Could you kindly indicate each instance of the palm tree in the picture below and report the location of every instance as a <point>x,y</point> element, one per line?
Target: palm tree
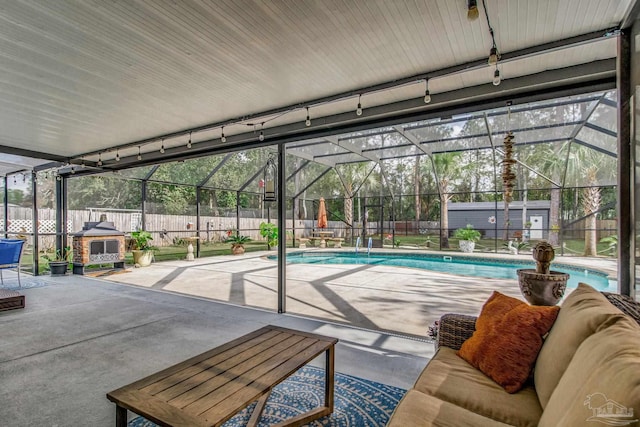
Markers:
<point>591,201</point>
<point>587,165</point>
<point>447,167</point>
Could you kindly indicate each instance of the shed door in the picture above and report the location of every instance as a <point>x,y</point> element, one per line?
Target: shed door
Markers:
<point>536,227</point>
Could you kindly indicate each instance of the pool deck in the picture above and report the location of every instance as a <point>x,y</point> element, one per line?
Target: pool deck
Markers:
<point>393,299</point>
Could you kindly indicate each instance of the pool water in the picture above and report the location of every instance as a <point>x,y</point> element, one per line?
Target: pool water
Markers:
<point>454,264</point>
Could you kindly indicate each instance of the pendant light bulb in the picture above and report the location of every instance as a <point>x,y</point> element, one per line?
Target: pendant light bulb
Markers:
<point>261,137</point>
<point>117,156</point>
<point>223,138</point>
<point>359,109</point>
<point>189,143</point>
<point>427,94</point>
<point>139,154</point>
<point>493,56</point>
<point>99,159</point>
<point>308,121</point>
<point>162,147</point>
<point>496,77</point>
<point>472,10</point>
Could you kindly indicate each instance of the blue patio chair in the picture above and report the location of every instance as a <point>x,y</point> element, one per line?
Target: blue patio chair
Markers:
<point>10,256</point>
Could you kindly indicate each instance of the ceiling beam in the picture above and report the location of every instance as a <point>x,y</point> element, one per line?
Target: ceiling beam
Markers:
<point>32,154</point>
<point>633,12</point>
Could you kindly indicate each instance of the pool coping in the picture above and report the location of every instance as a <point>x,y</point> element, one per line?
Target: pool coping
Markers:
<point>603,266</point>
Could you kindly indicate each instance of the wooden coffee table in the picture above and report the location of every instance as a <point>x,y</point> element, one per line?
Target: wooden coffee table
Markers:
<point>209,389</point>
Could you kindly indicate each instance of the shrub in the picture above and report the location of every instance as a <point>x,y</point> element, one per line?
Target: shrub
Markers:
<point>270,232</point>
<point>467,233</point>
<point>141,240</point>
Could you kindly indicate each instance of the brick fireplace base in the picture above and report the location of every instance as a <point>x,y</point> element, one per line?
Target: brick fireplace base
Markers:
<point>80,268</point>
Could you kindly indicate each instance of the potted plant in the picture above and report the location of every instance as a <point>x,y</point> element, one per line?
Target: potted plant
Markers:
<point>467,237</point>
<point>59,262</point>
<point>270,232</point>
<point>142,250</point>
<point>237,243</point>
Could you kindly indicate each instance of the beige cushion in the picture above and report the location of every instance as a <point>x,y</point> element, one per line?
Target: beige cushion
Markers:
<point>584,312</point>
<point>605,371</point>
<point>450,378</point>
<point>420,410</point>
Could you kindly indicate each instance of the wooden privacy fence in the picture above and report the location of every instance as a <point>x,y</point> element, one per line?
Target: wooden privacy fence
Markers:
<point>604,228</point>
<point>168,229</point>
<point>165,229</point>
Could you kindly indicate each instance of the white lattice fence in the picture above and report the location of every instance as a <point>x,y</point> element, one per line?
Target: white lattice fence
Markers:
<point>213,228</point>
<point>45,226</point>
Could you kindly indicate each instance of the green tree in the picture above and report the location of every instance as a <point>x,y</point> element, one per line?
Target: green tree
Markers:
<point>447,167</point>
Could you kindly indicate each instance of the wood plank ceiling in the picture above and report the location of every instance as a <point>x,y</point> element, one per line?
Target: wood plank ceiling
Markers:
<point>80,76</point>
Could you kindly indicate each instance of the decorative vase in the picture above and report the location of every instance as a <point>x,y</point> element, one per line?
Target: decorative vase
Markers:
<point>237,249</point>
<point>58,268</point>
<point>467,245</point>
<point>142,258</point>
<point>542,286</point>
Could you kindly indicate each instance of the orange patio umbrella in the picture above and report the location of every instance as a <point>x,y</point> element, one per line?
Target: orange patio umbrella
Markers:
<point>322,214</point>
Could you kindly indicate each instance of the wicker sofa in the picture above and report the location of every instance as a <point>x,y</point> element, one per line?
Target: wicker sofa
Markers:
<point>591,353</point>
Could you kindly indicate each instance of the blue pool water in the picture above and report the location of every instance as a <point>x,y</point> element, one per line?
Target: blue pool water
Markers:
<point>454,264</point>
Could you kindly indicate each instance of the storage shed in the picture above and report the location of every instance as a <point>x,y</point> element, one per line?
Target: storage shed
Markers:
<point>480,214</point>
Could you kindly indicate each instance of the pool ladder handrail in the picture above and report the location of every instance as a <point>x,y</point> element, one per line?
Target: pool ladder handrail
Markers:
<point>369,245</point>
<point>357,244</point>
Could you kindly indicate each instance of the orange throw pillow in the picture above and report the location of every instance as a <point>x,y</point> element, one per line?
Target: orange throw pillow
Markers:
<point>507,339</point>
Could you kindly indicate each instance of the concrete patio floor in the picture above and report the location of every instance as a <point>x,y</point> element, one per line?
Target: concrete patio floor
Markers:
<point>79,338</point>
<point>393,299</point>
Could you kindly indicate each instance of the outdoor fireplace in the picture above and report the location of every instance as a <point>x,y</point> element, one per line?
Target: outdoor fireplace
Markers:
<point>98,243</point>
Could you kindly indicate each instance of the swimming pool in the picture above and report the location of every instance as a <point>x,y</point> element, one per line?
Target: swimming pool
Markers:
<point>455,264</point>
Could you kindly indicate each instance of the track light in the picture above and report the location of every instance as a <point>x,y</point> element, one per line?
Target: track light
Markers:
<point>189,143</point>
<point>261,137</point>
<point>117,156</point>
<point>496,77</point>
<point>308,121</point>
<point>162,147</point>
<point>359,109</point>
<point>427,94</point>
<point>472,10</point>
<point>139,154</point>
<point>99,159</point>
<point>223,138</point>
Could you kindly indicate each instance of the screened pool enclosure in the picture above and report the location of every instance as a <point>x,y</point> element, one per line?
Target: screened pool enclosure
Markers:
<point>408,186</point>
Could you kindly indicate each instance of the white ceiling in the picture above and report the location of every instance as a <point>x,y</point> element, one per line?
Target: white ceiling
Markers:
<point>86,75</point>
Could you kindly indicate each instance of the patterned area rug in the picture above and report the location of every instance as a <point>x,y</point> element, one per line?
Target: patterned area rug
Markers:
<point>358,402</point>
<point>28,282</point>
